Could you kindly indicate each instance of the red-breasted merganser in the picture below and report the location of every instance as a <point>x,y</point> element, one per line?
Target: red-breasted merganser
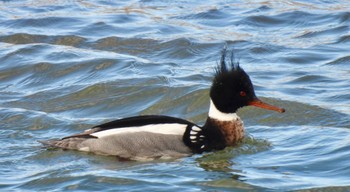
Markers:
<point>154,136</point>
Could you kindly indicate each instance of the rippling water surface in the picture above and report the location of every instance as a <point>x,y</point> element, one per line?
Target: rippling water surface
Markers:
<point>68,65</point>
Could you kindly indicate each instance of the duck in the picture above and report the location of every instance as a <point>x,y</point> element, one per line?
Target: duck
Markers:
<point>150,137</point>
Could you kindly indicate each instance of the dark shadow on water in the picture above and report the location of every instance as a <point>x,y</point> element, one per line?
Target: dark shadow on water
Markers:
<point>223,160</point>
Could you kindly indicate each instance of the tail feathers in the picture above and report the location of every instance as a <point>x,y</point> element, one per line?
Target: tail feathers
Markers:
<point>70,143</point>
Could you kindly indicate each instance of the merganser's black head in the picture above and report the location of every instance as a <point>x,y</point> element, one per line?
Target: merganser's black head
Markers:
<point>232,88</point>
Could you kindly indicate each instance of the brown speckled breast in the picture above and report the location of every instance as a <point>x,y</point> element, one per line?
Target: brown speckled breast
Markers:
<point>233,131</point>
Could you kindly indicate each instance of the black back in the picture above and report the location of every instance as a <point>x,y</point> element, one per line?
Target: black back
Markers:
<point>141,121</point>
<point>136,121</point>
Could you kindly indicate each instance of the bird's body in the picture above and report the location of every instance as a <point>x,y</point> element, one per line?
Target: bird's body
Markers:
<point>154,136</point>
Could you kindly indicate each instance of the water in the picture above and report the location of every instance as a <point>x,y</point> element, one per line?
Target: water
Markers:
<point>68,65</point>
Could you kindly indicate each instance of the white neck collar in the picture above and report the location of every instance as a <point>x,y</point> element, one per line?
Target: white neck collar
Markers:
<point>214,113</point>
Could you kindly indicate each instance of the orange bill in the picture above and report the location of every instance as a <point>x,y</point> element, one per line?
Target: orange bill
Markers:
<point>258,103</point>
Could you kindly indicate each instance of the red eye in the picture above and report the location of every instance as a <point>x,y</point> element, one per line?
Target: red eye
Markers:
<point>242,93</point>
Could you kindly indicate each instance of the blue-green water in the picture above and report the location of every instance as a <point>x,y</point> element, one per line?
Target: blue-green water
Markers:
<point>68,65</point>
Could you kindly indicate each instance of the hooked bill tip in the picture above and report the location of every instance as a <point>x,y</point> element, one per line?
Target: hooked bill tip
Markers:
<point>282,110</point>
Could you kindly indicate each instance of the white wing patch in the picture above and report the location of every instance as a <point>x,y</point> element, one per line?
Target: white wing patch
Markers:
<point>86,149</point>
<point>194,133</point>
<point>167,128</point>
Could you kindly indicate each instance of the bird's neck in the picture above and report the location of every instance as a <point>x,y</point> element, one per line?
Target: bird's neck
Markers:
<point>214,113</point>
<point>229,124</point>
